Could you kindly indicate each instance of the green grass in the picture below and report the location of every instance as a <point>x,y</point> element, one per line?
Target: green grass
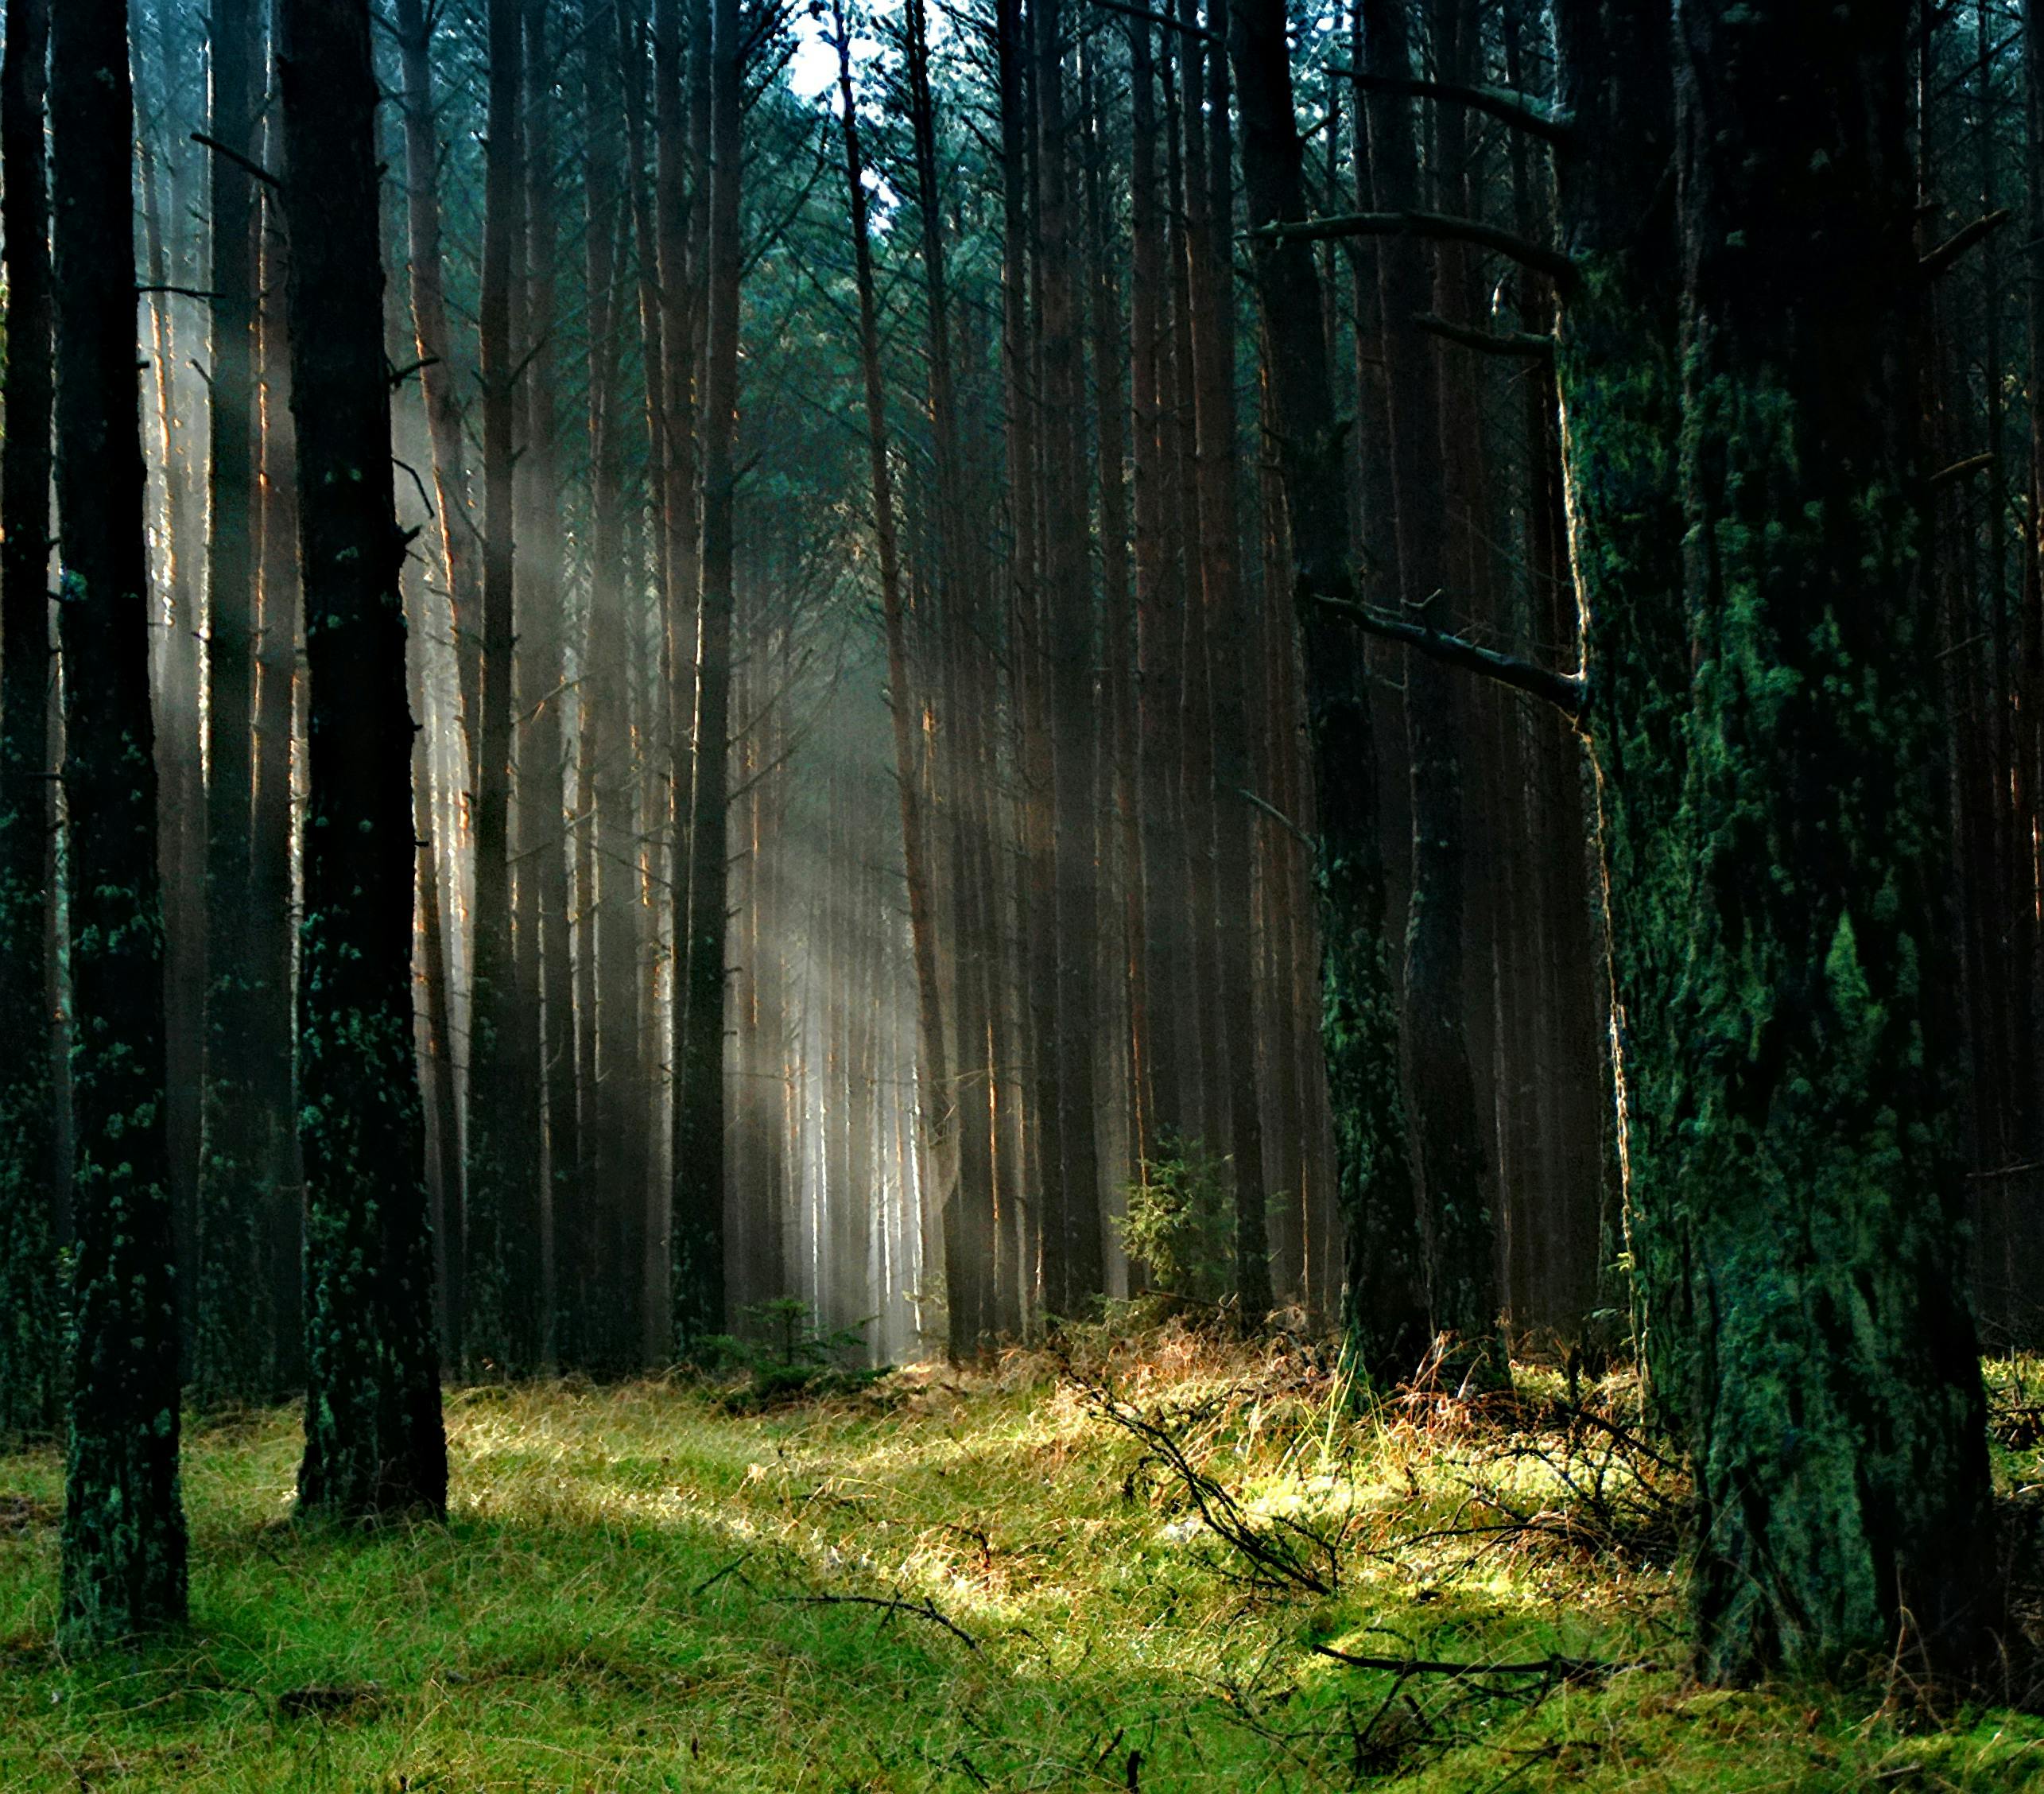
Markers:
<point>639,1590</point>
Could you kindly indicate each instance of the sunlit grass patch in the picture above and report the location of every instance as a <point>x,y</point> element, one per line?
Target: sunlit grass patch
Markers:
<point>956,1582</point>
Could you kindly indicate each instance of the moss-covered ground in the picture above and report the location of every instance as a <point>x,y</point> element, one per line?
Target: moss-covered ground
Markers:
<point>949,1581</point>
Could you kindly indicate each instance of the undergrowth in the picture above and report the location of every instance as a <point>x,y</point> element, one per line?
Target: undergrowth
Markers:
<point>1162,1565</point>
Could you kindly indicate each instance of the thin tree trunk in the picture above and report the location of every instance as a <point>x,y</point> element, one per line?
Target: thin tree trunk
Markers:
<point>698,1218</point>
<point>1385,1323</point>
<point>267,941</point>
<point>505,1313</point>
<point>940,1109</point>
<point>438,378</point>
<point>1454,1205</point>
<point>179,760</point>
<point>542,758</point>
<point>1073,1253</point>
<point>232,1344</point>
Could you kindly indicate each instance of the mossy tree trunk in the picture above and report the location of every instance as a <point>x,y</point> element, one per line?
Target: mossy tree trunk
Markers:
<point>1617,373</point>
<point>1385,1317</point>
<point>30,1384</point>
<point>373,1442</point>
<point>1833,1395</point>
<point>123,1539</point>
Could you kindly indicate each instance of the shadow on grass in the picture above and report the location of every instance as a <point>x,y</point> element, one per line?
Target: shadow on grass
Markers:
<point>637,1590</point>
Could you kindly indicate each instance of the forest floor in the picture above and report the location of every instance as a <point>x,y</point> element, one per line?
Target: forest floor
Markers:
<point>1021,1580</point>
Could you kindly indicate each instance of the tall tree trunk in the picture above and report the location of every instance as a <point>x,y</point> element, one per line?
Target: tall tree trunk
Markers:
<point>1616,362</point>
<point>1385,1317</point>
<point>965,1186</point>
<point>1150,1045</point>
<point>595,1253</point>
<point>373,1442</point>
<point>267,942</point>
<point>542,757</point>
<point>1073,1264</point>
<point>1234,630</point>
<point>1116,798</point>
<point>698,1218</point>
<point>939,1108</point>
<point>231,1346</point>
<point>1157,605</point>
<point>30,1346</point>
<point>180,761</point>
<point>123,1546</point>
<point>1454,1205</point>
<point>438,378</point>
<point>505,1318</point>
<point>1836,1415</point>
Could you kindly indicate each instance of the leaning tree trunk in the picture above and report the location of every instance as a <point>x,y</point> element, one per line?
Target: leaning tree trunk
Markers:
<point>30,1386</point>
<point>374,1442</point>
<point>123,1539</point>
<point>1834,1402</point>
<point>1385,1314</point>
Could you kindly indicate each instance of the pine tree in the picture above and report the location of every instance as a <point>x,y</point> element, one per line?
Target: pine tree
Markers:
<point>123,1566</point>
<point>373,1440</point>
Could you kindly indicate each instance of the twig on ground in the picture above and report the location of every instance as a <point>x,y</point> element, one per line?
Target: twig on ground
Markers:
<point>925,1609</point>
<point>1558,1668</point>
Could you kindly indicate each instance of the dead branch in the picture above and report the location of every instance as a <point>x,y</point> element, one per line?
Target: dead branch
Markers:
<point>1556,1669</point>
<point>1439,226</point>
<point>1955,245</point>
<point>925,1609</point>
<point>1517,109</point>
<point>1525,345</point>
<point>1563,690</point>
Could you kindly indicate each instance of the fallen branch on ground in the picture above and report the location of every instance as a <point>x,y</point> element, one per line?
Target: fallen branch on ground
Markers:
<point>925,1609</point>
<point>1560,1668</point>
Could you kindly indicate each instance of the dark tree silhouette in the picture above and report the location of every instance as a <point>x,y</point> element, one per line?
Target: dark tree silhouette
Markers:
<point>124,1542</point>
<point>30,1384</point>
<point>374,1442</point>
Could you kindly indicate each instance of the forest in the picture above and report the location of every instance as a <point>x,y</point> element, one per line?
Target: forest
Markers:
<point>1022,894</point>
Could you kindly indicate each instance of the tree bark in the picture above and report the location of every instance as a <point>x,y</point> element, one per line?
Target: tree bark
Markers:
<point>374,1442</point>
<point>268,937</point>
<point>939,1108</point>
<point>1456,1235</point>
<point>31,1382</point>
<point>1385,1316</point>
<point>696,1242</point>
<point>1836,1414</point>
<point>505,1311</point>
<point>123,1541</point>
<point>232,1346</point>
<point>1073,1263</point>
<point>434,339</point>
